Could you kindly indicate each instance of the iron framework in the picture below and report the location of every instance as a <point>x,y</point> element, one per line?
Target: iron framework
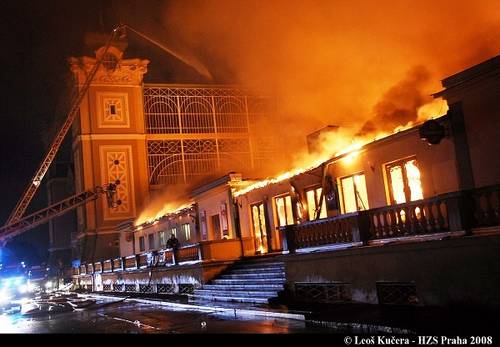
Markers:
<point>202,130</point>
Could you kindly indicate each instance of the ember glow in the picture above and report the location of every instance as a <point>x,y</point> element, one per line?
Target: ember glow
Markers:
<point>171,201</point>
<point>333,62</point>
<point>343,145</point>
<point>414,182</point>
<point>151,215</point>
<point>369,67</point>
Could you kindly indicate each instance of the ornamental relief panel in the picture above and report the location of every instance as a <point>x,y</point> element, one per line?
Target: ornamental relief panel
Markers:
<point>112,110</point>
<point>126,72</point>
<point>116,164</point>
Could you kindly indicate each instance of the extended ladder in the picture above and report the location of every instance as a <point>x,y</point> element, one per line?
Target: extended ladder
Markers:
<point>58,209</point>
<point>35,182</point>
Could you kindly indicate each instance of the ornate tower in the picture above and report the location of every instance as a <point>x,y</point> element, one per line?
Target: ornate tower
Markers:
<point>109,145</point>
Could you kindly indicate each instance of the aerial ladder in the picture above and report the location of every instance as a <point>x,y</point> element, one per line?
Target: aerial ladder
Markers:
<point>58,209</point>
<point>35,182</point>
<point>16,223</point>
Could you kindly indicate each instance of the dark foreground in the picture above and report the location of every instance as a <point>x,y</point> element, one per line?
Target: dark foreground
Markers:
<point>113,315</point>
<point>135,318</point>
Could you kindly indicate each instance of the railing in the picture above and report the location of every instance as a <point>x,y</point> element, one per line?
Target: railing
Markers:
<point>117,264</point>
<point>486,203</point>
<point>164,257</point>
<point>441,213</point>
<point>143,260</point>
<point>189,253</point>
<point>130,262</point>
<point>107,266</point>
<point>457,211</point>
<point>340,229</point>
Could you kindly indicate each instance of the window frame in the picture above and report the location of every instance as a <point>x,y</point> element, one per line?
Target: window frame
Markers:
<point>276,211</point>
<point>314,188</point>
<point>406,187</point>
<point>142,244</point>
<point>186,231</point>
<point>342,195</point>
<point>151,241</point>
<point>263,237</point>
<point>161,238</point>
<point>172,230</point>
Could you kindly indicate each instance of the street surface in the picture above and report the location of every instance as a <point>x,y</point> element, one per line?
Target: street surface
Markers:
<point>133,317</point>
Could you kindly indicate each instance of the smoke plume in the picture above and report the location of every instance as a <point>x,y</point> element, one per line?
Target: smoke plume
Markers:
<point>400,104</point>
<point>366,66</point>
<point>334,61</point>
<point>172,198</point>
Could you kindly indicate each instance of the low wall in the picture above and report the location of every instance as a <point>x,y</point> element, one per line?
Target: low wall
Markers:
<point>248,246</point>
<point>221,249</point>
<point>175,277</point>
<point>463,271</point>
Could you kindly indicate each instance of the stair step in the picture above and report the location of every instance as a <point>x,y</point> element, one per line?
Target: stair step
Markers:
<point>256,281</point>
<point>277,270</point>
<point>237,293</point>
<point>244,287</point>
<point>245,265</point>
<point>253,281</point>
<point>276,275</point>
<point>194,298</point>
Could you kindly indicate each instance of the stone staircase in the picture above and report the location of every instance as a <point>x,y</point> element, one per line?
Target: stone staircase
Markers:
<point>246,281</point>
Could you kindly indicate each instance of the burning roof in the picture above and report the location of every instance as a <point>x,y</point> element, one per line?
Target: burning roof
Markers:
<point>357,144</point>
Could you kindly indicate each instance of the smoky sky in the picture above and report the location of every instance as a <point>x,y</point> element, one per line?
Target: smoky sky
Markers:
<point>334,61</point>
<point>328,62</point>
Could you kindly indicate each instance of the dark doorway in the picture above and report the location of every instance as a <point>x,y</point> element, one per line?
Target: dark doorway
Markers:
<point>216,226</point>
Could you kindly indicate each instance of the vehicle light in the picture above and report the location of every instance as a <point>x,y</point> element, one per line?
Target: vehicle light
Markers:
<point>4,296</point>
<point>23,288</point>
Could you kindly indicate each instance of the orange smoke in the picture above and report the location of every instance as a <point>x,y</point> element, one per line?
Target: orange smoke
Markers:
<point>341,144</point>
<point>173,199</point>
<point>335,61</point>
<point>366,66</point>
<point>400,104</point>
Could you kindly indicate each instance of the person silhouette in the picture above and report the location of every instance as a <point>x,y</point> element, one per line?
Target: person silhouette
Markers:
<point>173,243</point>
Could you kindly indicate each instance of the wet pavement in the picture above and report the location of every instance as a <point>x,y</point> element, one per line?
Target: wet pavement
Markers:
<point>136,318</point>
<point>114,315</point>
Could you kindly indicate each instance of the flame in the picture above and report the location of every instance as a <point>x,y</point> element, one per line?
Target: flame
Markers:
<point>350,147</point>
<point>149,215</point>
<point>349,158</point>
<point>432,110</point>
<point>414,182</point>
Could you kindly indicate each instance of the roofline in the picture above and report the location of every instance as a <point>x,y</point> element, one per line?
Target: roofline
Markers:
<point>364,147</point>
<point>471,73</point>
<point>212,184</point>
<point>194,85</point>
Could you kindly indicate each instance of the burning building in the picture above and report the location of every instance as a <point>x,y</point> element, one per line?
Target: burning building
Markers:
<point>406,218</point>
<point>151,137</point>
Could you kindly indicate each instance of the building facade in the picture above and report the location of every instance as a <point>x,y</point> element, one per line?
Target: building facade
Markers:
<point>412,218</point>
<point>152,137</point>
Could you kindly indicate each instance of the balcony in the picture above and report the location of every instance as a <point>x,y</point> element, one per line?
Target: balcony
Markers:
<point>205,251</point>
<point>450,213</point>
